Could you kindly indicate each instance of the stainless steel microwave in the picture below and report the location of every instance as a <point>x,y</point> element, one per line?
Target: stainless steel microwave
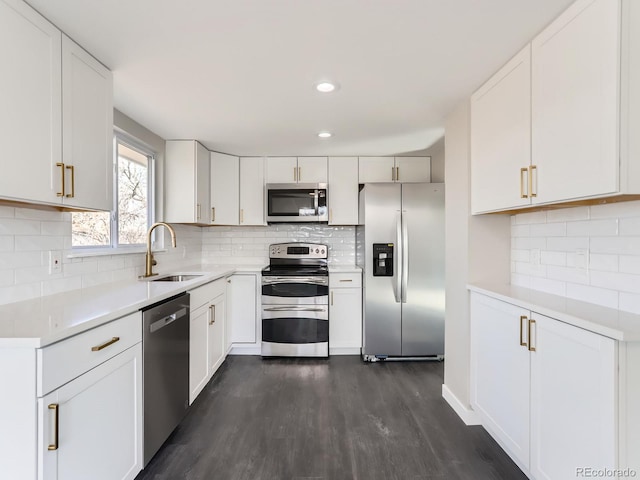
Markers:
<point>296,202</point>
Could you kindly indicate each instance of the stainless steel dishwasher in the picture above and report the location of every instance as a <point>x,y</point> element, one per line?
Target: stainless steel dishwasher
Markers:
<point>165,351</point>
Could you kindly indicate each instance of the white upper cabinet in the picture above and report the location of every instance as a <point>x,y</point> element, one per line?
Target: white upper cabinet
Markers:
<point>343,190</point>
<point>413,169</point>
<point>575,88</point>
<point>296,170</point>
<point>376,169</point>
<point>56,121</point>
<point>312,169</point>
<point>187,176</point>
<point>87,121</point>
<point>31,99</point>
<point>252,191</point>
<point>398,169</point>
<point>282,170</point>
<point>225,189</point>
<point>501,137</point>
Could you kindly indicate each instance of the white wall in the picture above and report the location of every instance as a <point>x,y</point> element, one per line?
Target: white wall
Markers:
<point>249,245</point>
<point>586,253</point>
<point>477,249</point>
<point>437,154</point>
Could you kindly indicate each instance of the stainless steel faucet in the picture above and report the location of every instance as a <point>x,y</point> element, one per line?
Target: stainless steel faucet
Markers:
<point>149,260</point>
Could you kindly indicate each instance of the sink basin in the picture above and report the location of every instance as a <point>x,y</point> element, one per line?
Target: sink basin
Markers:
<point>180,277</point>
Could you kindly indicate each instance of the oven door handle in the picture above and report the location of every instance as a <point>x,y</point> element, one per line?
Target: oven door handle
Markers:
<point>293,309</point>
<point>306,281</point>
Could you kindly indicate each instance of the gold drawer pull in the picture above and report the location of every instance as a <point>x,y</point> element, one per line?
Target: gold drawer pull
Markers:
<point>61,165</point>
<point>522,183</point>
<point>533,168</point>
<point>212,308</point>
<point>73,181</point>
<point>54,407</point>
<point>522,342</point>
<point>531,347</point>
<point>97,348</point>
<point>347,280</point>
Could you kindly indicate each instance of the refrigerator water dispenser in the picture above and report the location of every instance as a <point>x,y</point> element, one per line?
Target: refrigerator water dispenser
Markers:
<point>383,259</point>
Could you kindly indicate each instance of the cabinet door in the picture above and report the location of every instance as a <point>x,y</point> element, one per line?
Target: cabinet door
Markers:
<point>312,169</point>
<point>87,125</point>
<point>31,99</point>
<point>500,373</point>
<point>198,354</point>
<point>343,190</point>
<point>252,191</point>
<point>573,400</point>
<point>501,137</point>
<point>282,170</point>
<point>345,319</point>
<point>216,333</point>
<point>225,189</point>
<point>203,177</point>
<point>242,308</point>
<point>99,427</point>
<point>376,169</point>
<point>575,103</point>
<point>413,169</point>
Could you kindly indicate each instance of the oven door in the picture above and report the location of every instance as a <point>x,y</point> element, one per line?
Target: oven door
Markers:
<point>296,203</point>
<point>295,331</point>
<point>295,290</point>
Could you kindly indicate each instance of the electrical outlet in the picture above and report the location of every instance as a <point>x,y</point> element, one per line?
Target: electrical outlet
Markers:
<point>55,262</point>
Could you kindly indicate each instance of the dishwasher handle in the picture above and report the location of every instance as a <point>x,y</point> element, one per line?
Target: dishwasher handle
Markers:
<point>168,320</point>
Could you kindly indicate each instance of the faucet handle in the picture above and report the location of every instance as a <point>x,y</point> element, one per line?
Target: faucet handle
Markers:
<point>154,261</point>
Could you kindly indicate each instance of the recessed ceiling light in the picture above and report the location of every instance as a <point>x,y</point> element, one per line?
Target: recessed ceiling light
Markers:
<point>324,134</point>
<point>326,87</point>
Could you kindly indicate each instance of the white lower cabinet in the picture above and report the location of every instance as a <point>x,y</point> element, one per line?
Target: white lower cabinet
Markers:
<point>345,313</point>
<point>207,337</point>
<point>547,391</point>
<point>242,294</point>
<point>91,427</point>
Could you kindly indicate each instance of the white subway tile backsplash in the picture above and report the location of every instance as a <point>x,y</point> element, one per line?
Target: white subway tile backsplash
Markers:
<point>568,214</point>
<point>595,259</point>
<point>593,228</point>
<point>7,212</point>
<point>56,228</point>
<point>6,243</point>
<point>11,226</point>
<point>599,296</point>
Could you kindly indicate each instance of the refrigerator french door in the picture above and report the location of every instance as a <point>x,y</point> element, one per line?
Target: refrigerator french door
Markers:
<point>400,245</point>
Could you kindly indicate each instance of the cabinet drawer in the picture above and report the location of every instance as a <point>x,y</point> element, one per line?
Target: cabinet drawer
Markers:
<point>207,292</point>
<point>61,362</point>
<point>345,280</point>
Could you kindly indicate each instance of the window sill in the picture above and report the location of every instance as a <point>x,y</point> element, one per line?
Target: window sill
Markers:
<point>107,252</point>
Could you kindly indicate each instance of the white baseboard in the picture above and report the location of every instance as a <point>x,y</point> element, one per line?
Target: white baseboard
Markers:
<point>245,350</point>
<point>468,416</point>
<point>344,350</point>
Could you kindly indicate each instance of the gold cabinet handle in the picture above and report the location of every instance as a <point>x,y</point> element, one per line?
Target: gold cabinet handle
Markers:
<point>397,174</point>
<point>97,348</point>
<point>61,165</point>
<point>331,297</point>
<point>347,280</point>
<point>241,215</point>
<point>531,347</point>
<point>330,215</point>
<point>295,174</point>
<point>212,308</point>
<point>532,168</point>
<point>73,181</point>
<point>522,342</point>
<point>198,211</point>
<point>299,174</point>
<point>393,174</point>
<point>56,423</point>
<point>213,214</point>
<point>522,182</point>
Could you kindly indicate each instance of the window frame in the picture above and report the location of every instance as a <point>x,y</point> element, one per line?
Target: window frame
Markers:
<point>114,247</point>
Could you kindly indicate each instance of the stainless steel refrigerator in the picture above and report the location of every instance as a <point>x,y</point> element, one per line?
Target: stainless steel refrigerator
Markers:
<point>400,246</point>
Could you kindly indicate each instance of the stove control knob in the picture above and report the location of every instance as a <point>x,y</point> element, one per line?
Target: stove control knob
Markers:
<point>317,250</point>
<point>322,251</point>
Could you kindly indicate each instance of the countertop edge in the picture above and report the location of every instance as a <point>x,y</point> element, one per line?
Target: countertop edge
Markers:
<point>625,328</point>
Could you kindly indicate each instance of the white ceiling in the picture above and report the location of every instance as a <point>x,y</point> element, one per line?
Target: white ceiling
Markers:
<point>238,75</point>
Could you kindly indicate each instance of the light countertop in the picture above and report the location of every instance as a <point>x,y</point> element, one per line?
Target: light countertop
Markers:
<point>41,321</point>
<point>344,269</point>
<point>616,324</point>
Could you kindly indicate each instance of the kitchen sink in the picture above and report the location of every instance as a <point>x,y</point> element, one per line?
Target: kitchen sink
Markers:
<point>179,277</point>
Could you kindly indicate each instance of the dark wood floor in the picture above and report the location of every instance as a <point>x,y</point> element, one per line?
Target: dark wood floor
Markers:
<point>335,419</point>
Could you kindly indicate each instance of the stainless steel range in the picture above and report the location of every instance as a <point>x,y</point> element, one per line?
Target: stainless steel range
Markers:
<point>295,301</point>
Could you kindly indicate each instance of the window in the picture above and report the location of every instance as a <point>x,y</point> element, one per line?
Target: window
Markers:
<point>132,215</point>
